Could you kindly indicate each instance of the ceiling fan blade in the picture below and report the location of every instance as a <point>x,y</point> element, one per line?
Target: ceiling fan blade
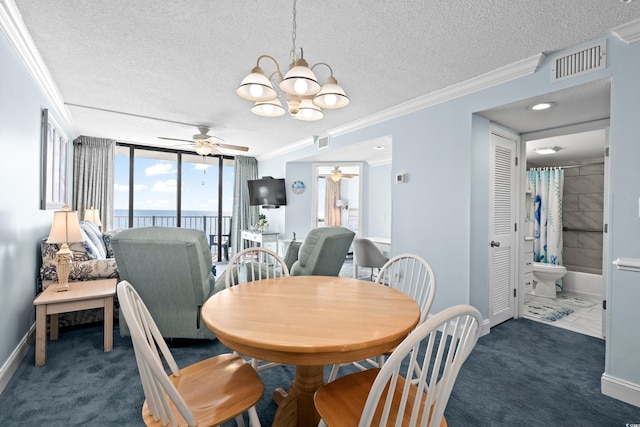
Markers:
<point>176,139</point>
<point>230,146</point>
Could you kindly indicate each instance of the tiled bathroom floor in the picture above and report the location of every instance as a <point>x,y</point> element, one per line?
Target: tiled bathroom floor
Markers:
<point>584,320</point>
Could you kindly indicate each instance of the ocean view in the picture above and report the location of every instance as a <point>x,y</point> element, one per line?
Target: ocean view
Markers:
<point>199,220</point>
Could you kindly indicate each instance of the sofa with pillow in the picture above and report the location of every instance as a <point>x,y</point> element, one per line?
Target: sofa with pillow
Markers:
<point>92,259</point>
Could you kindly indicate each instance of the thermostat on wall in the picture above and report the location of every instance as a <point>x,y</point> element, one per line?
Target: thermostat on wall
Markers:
<point>401,178</point>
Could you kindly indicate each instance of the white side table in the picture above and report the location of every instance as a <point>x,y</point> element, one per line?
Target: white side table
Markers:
<point>81,296</point>
<point>262,238</point>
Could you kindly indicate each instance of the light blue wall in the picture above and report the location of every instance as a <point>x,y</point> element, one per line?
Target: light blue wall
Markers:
<point>22,223</point>
<point>623,334</point>
<point>378,210</point>
<point>299,212</point>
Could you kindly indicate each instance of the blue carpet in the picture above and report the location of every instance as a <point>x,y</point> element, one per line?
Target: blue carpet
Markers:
<point>523,373</point>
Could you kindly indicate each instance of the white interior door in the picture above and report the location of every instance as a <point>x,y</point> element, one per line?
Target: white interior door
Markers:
<point>502,232</point>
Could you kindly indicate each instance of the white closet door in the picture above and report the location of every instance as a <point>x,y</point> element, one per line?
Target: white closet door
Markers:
<point>502,219</point>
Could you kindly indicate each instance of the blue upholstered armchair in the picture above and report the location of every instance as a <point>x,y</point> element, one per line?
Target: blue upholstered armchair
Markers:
<point>322,253</point>
<point>171,270</point>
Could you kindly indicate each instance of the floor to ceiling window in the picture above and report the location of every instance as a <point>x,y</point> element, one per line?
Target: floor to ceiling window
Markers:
<point>166,188</point>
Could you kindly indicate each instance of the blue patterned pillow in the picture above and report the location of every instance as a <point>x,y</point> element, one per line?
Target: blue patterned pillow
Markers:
<point>92,249</point>
<point>93,239</point>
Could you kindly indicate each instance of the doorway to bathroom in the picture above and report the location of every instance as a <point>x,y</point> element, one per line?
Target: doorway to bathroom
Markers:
<point>581,156</point>
<point>574,111</point>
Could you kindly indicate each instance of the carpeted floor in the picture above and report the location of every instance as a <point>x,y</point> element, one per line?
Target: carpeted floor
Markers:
<point>524,373</point>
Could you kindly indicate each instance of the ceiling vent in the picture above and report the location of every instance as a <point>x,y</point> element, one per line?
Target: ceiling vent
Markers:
<point>579,62</point>
<point>323,141</point>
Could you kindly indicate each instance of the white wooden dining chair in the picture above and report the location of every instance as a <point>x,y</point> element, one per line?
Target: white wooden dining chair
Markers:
<point>437,349</point>
<point>255,263</point>
<point>206,393</point>
<point>413,276</point>
<point>252,264</point>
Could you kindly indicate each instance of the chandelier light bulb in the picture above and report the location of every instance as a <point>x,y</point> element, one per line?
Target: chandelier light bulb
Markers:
<point>268,109</point>
<point>256,90</point>
<point>330,100</point>
<point>300,86</point>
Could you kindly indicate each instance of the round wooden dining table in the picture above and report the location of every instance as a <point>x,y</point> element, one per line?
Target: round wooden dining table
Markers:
<point>309,321</point>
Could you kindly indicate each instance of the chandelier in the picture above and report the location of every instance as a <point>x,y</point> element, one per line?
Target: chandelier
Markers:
<point>305,96</point>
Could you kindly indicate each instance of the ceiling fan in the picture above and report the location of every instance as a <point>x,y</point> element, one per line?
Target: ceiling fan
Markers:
<point>336,174</point>
<point>205,144</point>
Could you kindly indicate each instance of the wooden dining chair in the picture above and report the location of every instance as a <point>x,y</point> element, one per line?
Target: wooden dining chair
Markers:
<point>413,276</point>
<point>255,263</point>
<point>438,347</point>
<point>252,264</point>
<point>206,393</point>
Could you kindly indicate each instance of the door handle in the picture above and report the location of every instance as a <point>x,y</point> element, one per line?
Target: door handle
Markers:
<point>495,244</point>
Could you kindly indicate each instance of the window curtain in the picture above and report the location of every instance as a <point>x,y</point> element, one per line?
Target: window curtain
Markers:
<point>93,170</point>
<point>332,194</point>
<point>245,168</point>
<point>546,186</point>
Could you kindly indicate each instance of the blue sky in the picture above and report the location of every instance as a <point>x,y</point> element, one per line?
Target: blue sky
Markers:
<point>155,184</point>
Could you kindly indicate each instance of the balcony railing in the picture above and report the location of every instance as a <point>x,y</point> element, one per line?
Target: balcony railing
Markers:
<point>208,224</point>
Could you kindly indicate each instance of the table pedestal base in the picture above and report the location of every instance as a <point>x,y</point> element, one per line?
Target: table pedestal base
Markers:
<point>296,408</point>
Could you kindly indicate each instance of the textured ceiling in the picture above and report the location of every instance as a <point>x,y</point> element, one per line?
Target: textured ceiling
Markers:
<point>172,65</point>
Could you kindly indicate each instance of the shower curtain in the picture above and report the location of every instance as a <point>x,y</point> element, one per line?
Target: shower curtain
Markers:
<point>546,187</point>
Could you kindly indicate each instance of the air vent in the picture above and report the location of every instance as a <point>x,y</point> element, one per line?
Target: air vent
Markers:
<point>579,62</point>
<point>323,141</point>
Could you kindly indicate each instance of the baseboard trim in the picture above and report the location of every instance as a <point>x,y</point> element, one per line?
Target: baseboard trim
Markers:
<point>620,389</point>
<point>486,328</point>
<point>11,365</point>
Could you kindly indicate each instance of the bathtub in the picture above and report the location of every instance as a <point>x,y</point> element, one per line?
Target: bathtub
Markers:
<point>580,280</point>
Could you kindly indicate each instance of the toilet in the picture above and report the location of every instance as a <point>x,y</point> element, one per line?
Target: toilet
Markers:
<point>544,278</point>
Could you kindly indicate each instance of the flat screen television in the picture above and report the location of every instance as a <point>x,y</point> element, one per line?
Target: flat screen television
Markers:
<point>267,192</point>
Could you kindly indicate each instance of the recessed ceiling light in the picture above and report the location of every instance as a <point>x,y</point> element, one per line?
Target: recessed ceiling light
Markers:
<point>379,147</point>
<point>542,106</point>
<point>546,150</point>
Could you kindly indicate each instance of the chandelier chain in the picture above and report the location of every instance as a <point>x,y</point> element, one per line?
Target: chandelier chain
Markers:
<point>293,33</point>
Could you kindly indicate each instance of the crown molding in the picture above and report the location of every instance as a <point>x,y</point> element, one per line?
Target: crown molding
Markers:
<point>501,75</point>
<point>288,149</point>
<point>629,32</point>
<point>13,26</point>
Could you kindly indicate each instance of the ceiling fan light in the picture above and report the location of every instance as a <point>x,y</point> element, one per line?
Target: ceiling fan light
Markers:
<point>271,108</point>
<point>307,111</point>
<point>203,149</point>
<point>331,95</point>
<point>300,80</point>
<point>336,175</point>
<point>256,87</point>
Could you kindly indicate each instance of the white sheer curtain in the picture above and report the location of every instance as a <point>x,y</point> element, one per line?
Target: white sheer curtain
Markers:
<point>331,212</point>
<point>93,171</point>
<point>245,168</point>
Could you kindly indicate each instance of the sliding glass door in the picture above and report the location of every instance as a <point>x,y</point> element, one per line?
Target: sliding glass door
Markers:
<point>167,188</point>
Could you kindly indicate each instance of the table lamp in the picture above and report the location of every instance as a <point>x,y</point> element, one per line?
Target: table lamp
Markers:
<point>65,229</point>
<point>93,215</point>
